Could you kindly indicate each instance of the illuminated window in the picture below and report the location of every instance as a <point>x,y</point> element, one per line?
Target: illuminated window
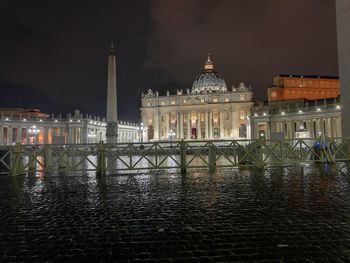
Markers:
<point>241,97</point>
<point>242,115</point>
<point>184,101</point>
<point>173,102</point>
<point>215,99</point>
<point>202,100</point>
<point>162,103</point>
<point>149,104</point>
<point>226,99</point>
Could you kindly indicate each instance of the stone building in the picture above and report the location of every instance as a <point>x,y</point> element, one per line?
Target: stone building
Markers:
<point>310,87</point>
<point>29,126</point>
<point>299,107</point>
<point>207,111</point>
<point>298,118</point>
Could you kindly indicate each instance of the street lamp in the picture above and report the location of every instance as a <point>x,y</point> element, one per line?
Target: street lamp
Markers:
<point>33,131</point>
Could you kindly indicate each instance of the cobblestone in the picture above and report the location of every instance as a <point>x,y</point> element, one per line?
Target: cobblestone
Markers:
<point>298,214</point>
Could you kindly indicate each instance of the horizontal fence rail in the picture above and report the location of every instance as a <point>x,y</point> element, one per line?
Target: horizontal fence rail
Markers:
<point>179,155</point>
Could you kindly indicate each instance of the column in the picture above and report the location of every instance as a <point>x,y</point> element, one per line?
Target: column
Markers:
<point>27,139</point>
<point>199,132</point>
<point>309,127</point>
<point>329,128</point>
<point>221,116</point>
<point>289,129</point>
<point>178,125</point>
<point>181,136</point>
<point>9,135</point>
<point>189,132</point>
<point>1,135</point>
<point>343,39</point>
<point>210,124</point>
<point>206,125</point>
<point>46,135</point>
<point>235,123</point>
<point>156,125</point>
<point>167,127</point>
<point>248,130</point>
<point>70,135</point>
<point>318,127</point>
<point>84,134</point>
<point>339,128</point>
<point>19,134</point>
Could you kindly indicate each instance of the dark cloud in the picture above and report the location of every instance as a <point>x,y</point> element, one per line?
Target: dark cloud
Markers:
<point>54,53</point>
<point>250,41</point>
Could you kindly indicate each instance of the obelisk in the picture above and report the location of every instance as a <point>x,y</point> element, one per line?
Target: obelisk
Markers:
<point>112,116</point>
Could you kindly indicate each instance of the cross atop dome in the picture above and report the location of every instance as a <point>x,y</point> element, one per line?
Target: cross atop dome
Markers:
<point>208,66</point>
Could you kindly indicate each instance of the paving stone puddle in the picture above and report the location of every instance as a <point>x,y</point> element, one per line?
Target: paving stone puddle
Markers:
<point>294,214</point>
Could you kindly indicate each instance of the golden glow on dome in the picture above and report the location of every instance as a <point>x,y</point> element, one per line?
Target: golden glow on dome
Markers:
<point>208,64</point>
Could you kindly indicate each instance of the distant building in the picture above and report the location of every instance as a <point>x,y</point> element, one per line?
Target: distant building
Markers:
<point>207,111</point>
<point>309,87</point>
<point>30,126</point>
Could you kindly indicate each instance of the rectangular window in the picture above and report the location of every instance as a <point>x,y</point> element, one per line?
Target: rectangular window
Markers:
<point>173,102</point>
<point>226,100</point>
<point>215,99</point>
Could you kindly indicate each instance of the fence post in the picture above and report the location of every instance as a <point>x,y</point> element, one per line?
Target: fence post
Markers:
<point>32,160</point>
<point>260,156</point>
<point>63,160</point>
<point>101,158</point>
<point>17,167</point>
<point>212,158</point>
<point>183,156</point>
<point>48,158</point>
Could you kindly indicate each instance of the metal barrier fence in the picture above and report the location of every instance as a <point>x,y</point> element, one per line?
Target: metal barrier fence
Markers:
<point>21,159</point>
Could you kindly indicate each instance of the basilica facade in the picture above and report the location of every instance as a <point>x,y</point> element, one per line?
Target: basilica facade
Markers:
<point>208,111</point>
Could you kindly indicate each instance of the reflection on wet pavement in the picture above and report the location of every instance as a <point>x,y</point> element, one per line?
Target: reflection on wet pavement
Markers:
<point>290,214</point>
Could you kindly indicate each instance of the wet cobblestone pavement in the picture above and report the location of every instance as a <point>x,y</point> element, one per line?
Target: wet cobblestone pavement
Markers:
<point>299,214</point>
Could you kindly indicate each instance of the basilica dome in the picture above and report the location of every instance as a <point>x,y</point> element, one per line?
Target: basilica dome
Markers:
<point>209,80</point>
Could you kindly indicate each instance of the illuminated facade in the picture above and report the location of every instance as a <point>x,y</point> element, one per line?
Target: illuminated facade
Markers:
<point>298,118</point>
<point>32,126</point>
<point>298,106</point>
<point>207,111</point>
<point>309,87</point>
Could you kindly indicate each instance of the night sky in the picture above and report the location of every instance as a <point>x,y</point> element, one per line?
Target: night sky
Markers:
<point>53,54</point>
